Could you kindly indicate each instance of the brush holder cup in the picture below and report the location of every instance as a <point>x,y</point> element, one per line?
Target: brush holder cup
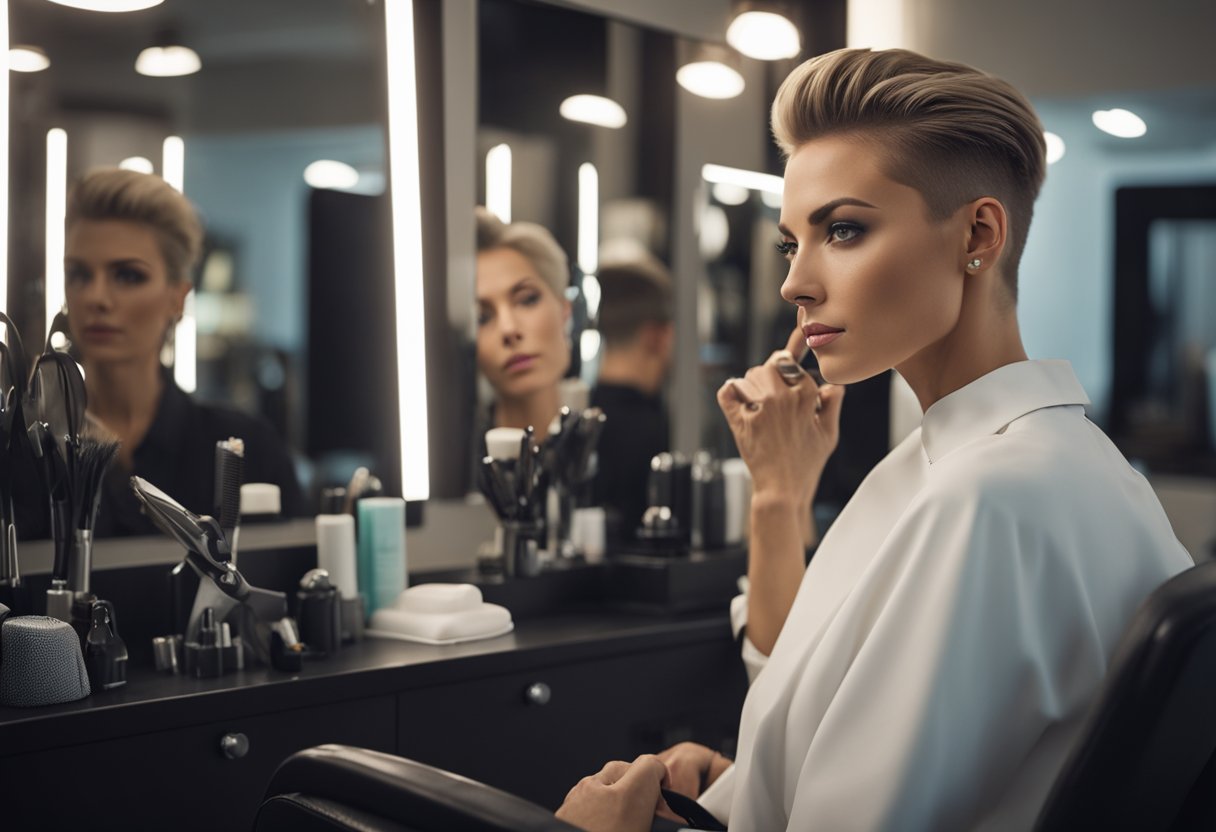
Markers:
<point>40,662</point>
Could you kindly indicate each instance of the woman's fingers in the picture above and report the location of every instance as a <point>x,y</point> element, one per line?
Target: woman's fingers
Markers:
<point>796,345</point>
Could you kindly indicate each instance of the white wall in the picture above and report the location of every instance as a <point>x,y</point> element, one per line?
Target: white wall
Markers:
<point>1067,271</point>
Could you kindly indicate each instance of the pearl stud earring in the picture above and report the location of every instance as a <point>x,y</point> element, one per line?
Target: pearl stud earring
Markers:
<point>975,264</point>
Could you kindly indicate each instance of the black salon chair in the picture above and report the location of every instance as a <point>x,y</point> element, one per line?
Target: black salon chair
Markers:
<point>337,788</point>
<point>1145,758</point>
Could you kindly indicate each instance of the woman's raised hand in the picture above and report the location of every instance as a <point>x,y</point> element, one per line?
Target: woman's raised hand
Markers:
<point>785,430</point>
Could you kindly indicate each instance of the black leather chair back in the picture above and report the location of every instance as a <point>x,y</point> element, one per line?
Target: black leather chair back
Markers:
<point>1145,758</point>
<point>338,788</point>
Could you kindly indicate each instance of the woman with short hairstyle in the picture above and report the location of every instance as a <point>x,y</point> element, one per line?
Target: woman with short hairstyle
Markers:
<point>522,320</point>
<point>131,247</point>
<point>930,667</point>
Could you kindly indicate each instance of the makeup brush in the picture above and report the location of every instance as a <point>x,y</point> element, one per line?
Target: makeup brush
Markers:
<point>90,458</point>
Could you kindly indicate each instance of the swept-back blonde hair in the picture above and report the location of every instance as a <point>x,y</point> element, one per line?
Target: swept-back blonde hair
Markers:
<point>948,130</point>
<point>532,241</point>
<point>116,194</point>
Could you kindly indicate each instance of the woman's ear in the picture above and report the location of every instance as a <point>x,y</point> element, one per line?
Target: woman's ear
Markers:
<point>178,293</point>
<point>989,228</point>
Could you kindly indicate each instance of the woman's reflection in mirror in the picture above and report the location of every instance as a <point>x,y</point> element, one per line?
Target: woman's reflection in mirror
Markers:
<point>635,325</point>
<point>523,316</point>
<point>131,247</point>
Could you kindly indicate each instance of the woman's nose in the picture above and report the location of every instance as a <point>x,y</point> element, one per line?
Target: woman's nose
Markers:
<point>94,290</point>
<point>509,328</point>
<point>801,288</point>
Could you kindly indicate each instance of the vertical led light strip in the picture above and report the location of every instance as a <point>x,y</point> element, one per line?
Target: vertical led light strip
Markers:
<point>405,189</point>
<point>4,172</point>
<point>588,218</point>
<point>498,181</point>
<point>173,162</point>
<point>185,334</point>
<point>56,209</point>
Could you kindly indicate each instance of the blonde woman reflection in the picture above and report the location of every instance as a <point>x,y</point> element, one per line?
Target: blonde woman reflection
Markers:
<point>522,320</point>
<point>930,667</point>
<point>132,243</point>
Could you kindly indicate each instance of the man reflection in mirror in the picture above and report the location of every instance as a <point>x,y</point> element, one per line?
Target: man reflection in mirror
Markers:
<point>635,325</point>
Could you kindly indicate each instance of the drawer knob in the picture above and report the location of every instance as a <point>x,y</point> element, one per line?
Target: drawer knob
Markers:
<point>538,693</point>
<point>234,746</point>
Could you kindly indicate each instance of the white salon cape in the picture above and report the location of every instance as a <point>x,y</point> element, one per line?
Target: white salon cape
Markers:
<point>954,623</point>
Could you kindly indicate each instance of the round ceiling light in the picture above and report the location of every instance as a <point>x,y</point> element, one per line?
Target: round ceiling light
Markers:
<point>1122,123</point>
<point>594,109</point>
<point>168,61</point>
<point>27,59</point>
<point>110,5</point>
<point>331,175</point>
<point>765,36</point>
<point>710,79</point>
<point>1055,147</point>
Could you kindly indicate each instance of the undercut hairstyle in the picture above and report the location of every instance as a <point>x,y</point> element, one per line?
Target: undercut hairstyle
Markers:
<point>116,194</point>
<point>532,241</point>
<point>633,292</point>
<point>950,131</point>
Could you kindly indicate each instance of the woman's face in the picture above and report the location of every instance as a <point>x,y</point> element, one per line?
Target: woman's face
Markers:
<point>866,258</point>
<point>521,340</point>
<point>120,299</point>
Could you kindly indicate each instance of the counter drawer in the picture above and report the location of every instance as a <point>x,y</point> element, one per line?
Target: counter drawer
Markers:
<point>536,733</point>
<point>205,777</point>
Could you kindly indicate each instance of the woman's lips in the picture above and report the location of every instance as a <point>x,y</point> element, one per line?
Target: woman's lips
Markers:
<point>96,333</point>
<point>520,363</point>
<point>815,341</point>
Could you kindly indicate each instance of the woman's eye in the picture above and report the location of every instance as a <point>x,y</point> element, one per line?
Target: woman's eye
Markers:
<point>126,274</point>
<point>77,274</point>
<point>530,299</point>
<point>483,317</point>
<point>844,232</point>
<point>786,248</point>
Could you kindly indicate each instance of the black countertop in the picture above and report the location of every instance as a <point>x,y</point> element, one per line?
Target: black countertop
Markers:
<point>152,701</point>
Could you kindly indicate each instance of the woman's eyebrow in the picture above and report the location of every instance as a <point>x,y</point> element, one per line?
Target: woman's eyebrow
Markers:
<point>820,214</point>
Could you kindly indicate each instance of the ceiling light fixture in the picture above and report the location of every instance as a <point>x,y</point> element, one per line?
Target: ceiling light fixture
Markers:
<point>1122,123</point>
<point>1055,147</point>
<point>712,71</point>
<point>331,175</point>
<point>594,109</point>
<point>24,58</point>
<point>139,164</point>
<point>715,174</point>
<point>168,61</point>
<point>110,5</point>
<point>760,31</point>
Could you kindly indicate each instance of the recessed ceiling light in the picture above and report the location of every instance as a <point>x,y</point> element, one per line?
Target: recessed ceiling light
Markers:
<point>27,59</point>
<point>1122,123</point>
<point>1055,147</point>
<point>594,109</point>
<point>765,36</point>
<point>728,193</point>
<point>168,61</point>
<point>140,164</point>
<point>331,175</point>
<point>710,79</point>
<point>110,5</point>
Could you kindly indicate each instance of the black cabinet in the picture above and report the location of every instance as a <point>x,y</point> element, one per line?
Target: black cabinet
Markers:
<point>205,777</point>
<point>531,712</point>
<point>537,732</point>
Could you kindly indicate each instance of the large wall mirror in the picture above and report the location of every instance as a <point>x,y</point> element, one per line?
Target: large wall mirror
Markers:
<point>287,110</point>
<point>597,188</point>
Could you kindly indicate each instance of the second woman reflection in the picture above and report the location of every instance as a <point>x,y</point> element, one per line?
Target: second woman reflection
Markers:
<point>132,243</point>
<point>522,320</point>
